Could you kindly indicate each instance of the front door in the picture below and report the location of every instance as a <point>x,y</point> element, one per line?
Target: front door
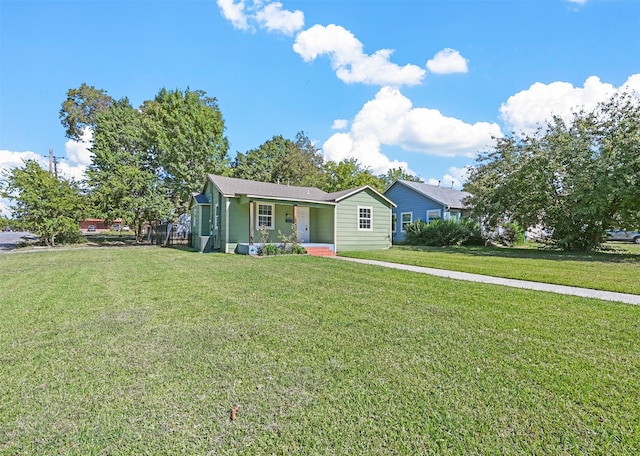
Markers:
<point>303,224</point>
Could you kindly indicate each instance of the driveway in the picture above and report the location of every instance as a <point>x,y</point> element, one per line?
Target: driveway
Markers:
<point>10,239</point>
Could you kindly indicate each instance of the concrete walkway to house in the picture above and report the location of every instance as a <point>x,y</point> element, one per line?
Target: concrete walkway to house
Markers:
<point>538,286</point>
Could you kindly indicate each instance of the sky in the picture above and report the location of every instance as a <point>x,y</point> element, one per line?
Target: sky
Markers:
<point>424,85</point>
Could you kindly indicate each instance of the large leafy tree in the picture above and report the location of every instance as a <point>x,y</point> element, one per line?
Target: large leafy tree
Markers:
<point>579,178</point>
<point>347,174</point>
<point>80,109</point>
<point>395,174</point>
<point>186,131</point>
<point>122,177</point>
<point>282,160</point>
<point>48,206</point>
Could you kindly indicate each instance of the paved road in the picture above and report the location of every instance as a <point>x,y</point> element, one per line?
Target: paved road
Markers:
<point>9,239</point>
<point>561,289</point>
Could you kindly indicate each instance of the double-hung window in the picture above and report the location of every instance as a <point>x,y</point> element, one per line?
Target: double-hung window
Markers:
<point>365,218</point>
<point>433,214</point>
<point>405,219</point>
<point>394,222</point>
<point>265,216</point>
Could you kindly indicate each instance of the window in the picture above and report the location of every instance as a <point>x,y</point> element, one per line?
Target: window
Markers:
<point>406,219</point>
<point>394,222</point>
<point>365,218</point>
<point>217,217</point>
<point>433,214</point>
<point>265,216</point>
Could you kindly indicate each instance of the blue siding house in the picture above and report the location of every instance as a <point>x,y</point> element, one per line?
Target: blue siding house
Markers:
<point>418,201</point>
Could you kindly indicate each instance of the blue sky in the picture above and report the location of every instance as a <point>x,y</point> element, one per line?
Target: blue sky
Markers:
<point>420,84</point>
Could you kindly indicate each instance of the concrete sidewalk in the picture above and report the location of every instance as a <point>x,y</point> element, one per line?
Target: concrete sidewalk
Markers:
<point>538,286</point>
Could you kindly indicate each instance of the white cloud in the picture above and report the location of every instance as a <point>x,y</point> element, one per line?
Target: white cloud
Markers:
<point>390,119</point>
<point>234,13</point>
<point>267,15</point>
<point>274,18</point>
<point>340,124</point>
<point>350,62</point>
<point>529,109</point>
<point>447,61</point>
<point>578,2</point>
<point>78,151</point>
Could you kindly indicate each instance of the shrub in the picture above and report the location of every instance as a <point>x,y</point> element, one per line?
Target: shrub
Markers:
<point>441,233</point>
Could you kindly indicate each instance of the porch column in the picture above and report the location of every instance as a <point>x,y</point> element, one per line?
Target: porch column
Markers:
<point>250,222</point>
<point>295,215</point>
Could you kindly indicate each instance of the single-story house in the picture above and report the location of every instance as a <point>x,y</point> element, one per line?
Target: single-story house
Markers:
<point>419,201</point>
<point>97,224</point>
<point>227,214</point>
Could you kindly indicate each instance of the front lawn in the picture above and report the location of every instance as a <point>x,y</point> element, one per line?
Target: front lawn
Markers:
<point>615,270</point>
<point>146,350</point>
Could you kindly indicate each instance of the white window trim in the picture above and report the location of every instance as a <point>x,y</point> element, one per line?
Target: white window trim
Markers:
<point>434,210</point>
<point>273,216</point>
<point>394,216</point>
<point>402,230</point>
<point>362,218</point>
<point>216,217</point>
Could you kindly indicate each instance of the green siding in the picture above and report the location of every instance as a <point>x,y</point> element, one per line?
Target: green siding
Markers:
<point>322,225</point>
<point>349,237</point>
<point>205,222</point>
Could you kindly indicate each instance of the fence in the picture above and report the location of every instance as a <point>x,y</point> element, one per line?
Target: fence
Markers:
<point>169,235</point>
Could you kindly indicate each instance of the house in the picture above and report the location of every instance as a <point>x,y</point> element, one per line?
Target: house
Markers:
<point>418,201</point>
<point>97,224</point>
<point>227,213</point>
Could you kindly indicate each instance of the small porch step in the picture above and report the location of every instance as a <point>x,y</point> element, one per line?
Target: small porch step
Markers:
<point>320,251</point>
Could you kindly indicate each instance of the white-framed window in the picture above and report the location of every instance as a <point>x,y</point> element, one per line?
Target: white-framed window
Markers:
<point>216,222</point>
<point>365,218</point>
<point>405,219</point>
<point>265,216</point>
<point>394,222</point>
<point>433,214</point>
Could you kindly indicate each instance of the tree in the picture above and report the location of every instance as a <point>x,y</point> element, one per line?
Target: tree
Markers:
<point>186,131</point>
<point>395,174</point>
<point>348,173</point>
<point>122,177</point>
<point>282,160</point>
<point>80,109</point>
<point>49,207</point>
<point>578,179</point>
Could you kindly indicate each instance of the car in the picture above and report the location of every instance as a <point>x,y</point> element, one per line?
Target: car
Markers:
<point>6,229</point>
<point>91,228</point>
<point>624,235</point>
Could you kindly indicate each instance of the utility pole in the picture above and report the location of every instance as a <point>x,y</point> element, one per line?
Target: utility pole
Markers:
<point>53,163</point>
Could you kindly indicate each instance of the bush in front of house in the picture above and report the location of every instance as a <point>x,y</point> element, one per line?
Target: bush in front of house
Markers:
<point>441,233</point>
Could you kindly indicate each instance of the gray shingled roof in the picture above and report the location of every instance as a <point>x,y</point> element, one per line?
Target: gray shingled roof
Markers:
<point>446,196</point>
<point>231,186</point>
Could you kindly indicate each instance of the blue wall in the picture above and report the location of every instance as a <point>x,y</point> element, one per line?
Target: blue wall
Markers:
<point>408,200</point>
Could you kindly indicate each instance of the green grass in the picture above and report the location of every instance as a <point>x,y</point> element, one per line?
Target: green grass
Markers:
<point>615,270</point>
<point>144,351</point>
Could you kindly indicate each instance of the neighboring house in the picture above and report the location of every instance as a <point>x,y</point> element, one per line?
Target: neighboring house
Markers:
<point>97,224</point>
<point>226,215</point>
<point>418,201</point>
